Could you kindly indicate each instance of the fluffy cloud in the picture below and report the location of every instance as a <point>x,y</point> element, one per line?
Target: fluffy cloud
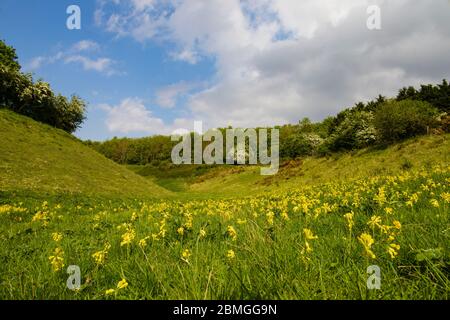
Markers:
<point>167,97</point>
<point>76,54</point>
<point>278,61</point>
<point>131,116</point>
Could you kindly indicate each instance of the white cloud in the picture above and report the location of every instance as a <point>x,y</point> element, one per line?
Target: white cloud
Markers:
<point>280,60</point>
<point>102,65</point>
<point>167,97</point>
<point>36,63</point>
<point>86,45</point>
<point>73,55</point>
<point>186,55</point>
<point>132,116</point>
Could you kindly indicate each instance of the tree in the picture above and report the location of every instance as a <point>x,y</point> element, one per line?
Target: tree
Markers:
<point>8,57</point>
<point>398,120</point>
<point>36,100</point>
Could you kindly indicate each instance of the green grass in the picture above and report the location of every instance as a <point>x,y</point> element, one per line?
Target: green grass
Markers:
<point>38,159</point>
<point>52,184</point>
<point>270,258</point>
<point>203,182</point>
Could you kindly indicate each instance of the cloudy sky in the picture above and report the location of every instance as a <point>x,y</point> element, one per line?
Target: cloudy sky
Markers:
<point>152,66</point>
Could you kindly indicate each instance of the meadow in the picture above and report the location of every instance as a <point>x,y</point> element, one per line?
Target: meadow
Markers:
<point>311,242</point>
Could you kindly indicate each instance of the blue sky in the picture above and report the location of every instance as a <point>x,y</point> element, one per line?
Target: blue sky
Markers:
<point>152,66</point>
<point>38,29</point>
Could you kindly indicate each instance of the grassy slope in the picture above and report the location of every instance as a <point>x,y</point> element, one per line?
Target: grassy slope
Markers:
<point>36,158</point>
<point>226,181</point>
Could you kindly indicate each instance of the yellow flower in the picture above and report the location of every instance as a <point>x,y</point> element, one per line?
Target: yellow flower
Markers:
<point>388,210</point>
<point>57,260</point>
<point>202,233</point>
<point>380,197</point>
<point>232,232</point>
<point>270,215</point>
<point>375,221</point>
<point>307,247</point>
<point>185,254</point>
<point>309,234</point>
<point>367,241</point>
<point>393,250</point>
<point>128,237</point>
<point>349,218</point>
<point>434,203</point>
<point>57,236</point>
<point>99,257</point>
<point>180,231</point>
<point>122,284</point>
<point>143,243</point>
<point>397,224</point>
<point>230,254</point>
<point>110,292</point>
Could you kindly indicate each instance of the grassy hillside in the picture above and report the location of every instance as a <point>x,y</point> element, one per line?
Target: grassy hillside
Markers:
<point>36,158</point>
<point>194,181</point>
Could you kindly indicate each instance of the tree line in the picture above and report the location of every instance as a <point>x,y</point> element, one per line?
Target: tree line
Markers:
<point>35,99</point>
<point>378,122</point>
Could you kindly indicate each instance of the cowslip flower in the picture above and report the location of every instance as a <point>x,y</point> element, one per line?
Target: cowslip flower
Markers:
<point>230,254</point>
<point>393,250</point>
<point>128,237</point>
<point>375,221</point>
<point>397,224</point>
<point>232,232</point>
<point>309,234</point>
<point>100,256</point>
<point>185,254</point>
<point>349,217</point>
<point>122,284</point>
<point>367,241</point>
<point>110,292</point>
<point>434,203</point>
<point>143,242</point>
<point>57,260</point>
<point>57,236</point>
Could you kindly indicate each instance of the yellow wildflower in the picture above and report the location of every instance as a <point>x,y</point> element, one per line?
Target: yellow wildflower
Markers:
<point>349,218</point>
<point>185,254</point>
<point>57,259</point>
<point>100,256</point>
<point>128,237</point>
<point>57,236</point>
<point>393,250</point>
<point>375,221</point>
<point>232,232</point>
<point>397,224</point>
<point>231,254</point>
<point>434,203</point>
<point>110,292</point>
<point>122,284</point>
<point>309,234</point>
<point>143,243</point>
<point>367,241</point>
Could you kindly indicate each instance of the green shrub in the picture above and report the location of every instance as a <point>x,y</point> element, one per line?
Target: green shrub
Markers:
<point>399,120</point>
<point>354,131</point>
<point>36,100</point>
